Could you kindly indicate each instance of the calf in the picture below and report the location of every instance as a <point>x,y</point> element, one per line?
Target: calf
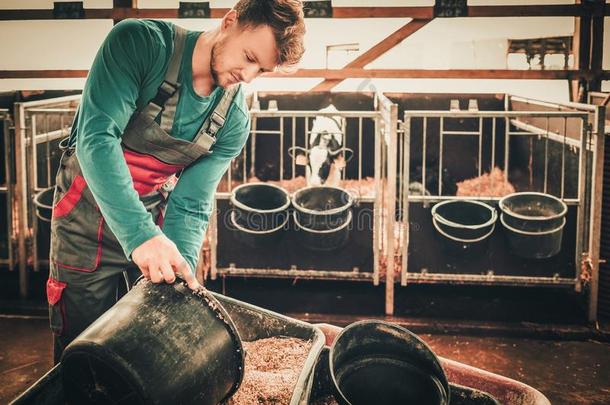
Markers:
<point>324,159</point>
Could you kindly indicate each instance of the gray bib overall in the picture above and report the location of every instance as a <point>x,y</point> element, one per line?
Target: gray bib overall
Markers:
<point>87,263</point>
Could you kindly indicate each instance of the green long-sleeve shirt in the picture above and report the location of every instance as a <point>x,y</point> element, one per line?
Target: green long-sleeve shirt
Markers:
<point>125,75</point>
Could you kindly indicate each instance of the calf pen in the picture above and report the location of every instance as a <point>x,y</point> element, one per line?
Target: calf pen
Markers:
<point>546,150</point>
<point>267,158</point>
<point>399,169</point>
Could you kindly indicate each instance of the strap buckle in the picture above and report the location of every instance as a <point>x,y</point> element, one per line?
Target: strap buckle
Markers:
<point>168,89</point>
<point>218,119</point>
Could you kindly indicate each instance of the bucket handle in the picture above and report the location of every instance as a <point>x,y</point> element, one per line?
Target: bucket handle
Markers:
<point>444,221</point>
<point>344,150</point>
<point>297,148</point>
<point>251,231</point>
<point>530,233</point>
<point>454,238</point>
<point>299,225</point>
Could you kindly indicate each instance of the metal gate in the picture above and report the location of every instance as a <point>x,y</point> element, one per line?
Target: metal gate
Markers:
<point>538,146</point>
<point>6,189</point>
<point>266,158</point>
<point>39,127</point>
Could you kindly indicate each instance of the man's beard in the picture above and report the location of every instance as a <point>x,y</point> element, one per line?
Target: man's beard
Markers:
<point>214,61</point>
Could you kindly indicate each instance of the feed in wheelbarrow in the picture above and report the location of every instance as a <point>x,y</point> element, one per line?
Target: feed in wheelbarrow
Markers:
<point>273,366</point>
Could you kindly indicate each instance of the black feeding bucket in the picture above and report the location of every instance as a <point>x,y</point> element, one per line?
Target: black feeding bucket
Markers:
<point>375,362</point>
<point>43,201</point>
<point>159,344</point>
<point>464,225</point>
<point>322,217</point>
<point>534,223</point>
<point>260,213</point>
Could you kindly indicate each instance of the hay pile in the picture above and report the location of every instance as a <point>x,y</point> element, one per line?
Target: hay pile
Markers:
<point>493,184</point>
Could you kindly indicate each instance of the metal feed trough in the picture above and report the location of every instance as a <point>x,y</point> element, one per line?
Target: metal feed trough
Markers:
<point>536,146</point>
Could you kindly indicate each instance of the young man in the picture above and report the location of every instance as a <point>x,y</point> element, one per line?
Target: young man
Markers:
<point>159,102</point>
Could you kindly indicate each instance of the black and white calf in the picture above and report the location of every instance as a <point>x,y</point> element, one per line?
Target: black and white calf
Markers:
<point>326,156</point>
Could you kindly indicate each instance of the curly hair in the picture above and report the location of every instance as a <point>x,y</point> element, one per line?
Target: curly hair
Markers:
<point>286,20</point>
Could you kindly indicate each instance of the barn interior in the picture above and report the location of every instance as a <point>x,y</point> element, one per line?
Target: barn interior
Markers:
<point>433,178</point>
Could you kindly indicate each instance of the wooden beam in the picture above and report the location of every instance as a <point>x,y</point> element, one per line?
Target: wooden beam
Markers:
<point>557,10</point>
<point>581,48</point>
<point>597,45</point>
<point>552,10</point>
<point>47,14</point>
<point>383,12</point>
<point>377,50</point>
<point>43,74</point>
<point>218,12</point>
<point>124,13</point>
<point>347,73</point>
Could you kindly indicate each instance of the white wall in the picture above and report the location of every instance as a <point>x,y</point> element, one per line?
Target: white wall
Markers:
<point>469,43</point>
<point>49,44</point>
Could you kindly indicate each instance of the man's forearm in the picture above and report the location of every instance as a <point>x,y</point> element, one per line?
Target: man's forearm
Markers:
<point>105,170</point>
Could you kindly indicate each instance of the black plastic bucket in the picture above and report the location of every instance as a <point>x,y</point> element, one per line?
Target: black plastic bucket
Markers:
<point>375,362</point>
<point>322,388</point>
<point>160,344</point>
<point>464,224</point>
<point>260,212</point>
<point>43,201</point>
<point>322,216</point>
<point>534,224</point>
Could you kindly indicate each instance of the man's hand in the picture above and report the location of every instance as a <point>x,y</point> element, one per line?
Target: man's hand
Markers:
<point>159,260</point>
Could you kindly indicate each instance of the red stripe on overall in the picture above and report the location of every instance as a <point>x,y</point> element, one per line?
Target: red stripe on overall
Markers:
<point>148,173</point>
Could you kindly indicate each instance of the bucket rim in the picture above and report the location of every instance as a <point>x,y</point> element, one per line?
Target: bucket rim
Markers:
<point>40,204</point>
<point>244,207</point>
<point>508,211</point>
<point>331,211</point>
<point>463,240</point>
<point>438,217</point>
<point>299,225</point>
<point>532,233</point>
<point>253,231</point>
<point>443,377</point>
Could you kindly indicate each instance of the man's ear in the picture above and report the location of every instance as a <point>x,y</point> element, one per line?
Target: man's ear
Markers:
<point>229,20</point>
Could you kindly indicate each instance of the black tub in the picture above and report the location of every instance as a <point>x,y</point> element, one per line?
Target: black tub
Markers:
<point>260,213</point>
<point>322,391</point>
<point>534,223</point>
<point>43,201</point>
<point>159,344</point>
<point>252,323</point>
<point>376,362</point>
<point>464,224</point>
<point>322,216</point>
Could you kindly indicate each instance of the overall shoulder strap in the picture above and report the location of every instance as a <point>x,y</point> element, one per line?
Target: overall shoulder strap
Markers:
<point>170,86</point>
<point>206,136</point>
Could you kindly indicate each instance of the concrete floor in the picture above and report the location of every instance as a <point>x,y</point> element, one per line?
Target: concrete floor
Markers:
<point>567,372</point>
<point>25,354</point>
